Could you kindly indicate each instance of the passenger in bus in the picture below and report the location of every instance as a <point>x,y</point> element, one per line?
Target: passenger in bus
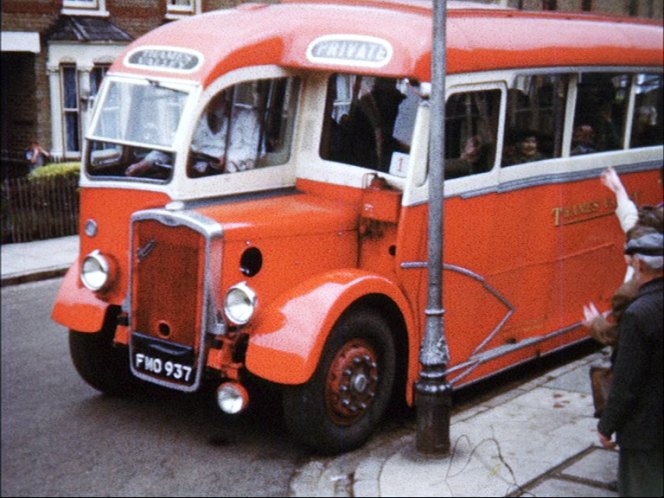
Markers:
<point>209,140</point>
<point>646,131</point>
<point>608,136</point>
<point>510,148</point>
<point>596,109</point>
<point>528,148</point>
<point>246,145</point>
<point>473,159</point>
<point>583,140</point>
<point>373,125</point>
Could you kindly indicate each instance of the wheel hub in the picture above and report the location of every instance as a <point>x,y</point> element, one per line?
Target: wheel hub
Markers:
<point>352,382</point>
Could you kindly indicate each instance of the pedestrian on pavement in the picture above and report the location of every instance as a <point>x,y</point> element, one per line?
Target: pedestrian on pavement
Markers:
<point>635,222</point>
<point>634,408</point>
<point>36,155</point>
<point>604,327</point>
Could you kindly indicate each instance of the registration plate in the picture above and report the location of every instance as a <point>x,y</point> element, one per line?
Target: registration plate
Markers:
<point>163,360</point>
<point>163,368</point>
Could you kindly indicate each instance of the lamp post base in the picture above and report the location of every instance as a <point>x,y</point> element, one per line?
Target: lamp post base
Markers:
<point>433,402</point>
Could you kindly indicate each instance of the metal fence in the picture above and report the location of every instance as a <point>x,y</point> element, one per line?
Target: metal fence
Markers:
<point>39,208</point>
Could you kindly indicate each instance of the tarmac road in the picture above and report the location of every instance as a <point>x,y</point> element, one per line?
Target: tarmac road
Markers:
<point>529,435</point>
<point>61,438</point>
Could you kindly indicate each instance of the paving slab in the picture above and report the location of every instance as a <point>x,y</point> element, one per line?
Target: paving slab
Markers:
<point>563,487</point>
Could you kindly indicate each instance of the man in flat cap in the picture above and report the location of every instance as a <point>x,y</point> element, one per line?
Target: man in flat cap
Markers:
<point>634,408</point>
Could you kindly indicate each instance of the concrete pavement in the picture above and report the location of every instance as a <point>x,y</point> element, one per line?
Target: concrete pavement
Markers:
<point>537,439</point>
<point>41,259</point>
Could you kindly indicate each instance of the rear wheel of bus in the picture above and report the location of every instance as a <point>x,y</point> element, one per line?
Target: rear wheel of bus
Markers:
<point>99,363</point>
<point>340,406</point>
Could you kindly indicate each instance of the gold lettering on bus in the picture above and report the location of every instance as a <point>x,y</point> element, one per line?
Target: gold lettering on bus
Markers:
<point>576,213</point>
<point>585,211</point>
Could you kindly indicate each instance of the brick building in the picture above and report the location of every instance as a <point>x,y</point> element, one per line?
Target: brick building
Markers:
<point>54,56</point>
<point>56,52</point>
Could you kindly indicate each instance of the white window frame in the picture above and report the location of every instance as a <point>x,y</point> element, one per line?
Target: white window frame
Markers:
<point>66,111</point>
<point>84,8</point>
<point>193,7</point>
<point>85,56</point>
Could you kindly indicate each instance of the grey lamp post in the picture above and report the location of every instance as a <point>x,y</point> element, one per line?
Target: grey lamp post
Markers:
<point>433,398</point>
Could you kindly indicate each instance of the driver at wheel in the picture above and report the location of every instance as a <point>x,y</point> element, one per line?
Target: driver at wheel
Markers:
<point>210,137</point>
<point>227,150</point>
<point>217,150</point>
<point>209,140</point>
<point>154,159</point>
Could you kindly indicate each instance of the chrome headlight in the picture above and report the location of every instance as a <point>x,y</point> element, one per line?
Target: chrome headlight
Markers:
<point>232,397</point>
<point>95,271</point>
<point>240,304</point>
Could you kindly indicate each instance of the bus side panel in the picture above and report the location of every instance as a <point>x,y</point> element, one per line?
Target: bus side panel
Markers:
<point>532,256</point>
<point>592,242</point>
<point>501,239</point>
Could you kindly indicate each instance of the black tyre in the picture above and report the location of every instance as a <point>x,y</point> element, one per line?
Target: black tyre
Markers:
<point>100,364</point>
<point>340,406</point>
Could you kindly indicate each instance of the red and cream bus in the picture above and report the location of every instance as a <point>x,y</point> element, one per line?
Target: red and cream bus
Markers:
<point>254,200</point>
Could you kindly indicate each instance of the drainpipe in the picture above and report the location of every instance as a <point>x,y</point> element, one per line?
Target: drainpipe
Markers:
<point>433,400</point>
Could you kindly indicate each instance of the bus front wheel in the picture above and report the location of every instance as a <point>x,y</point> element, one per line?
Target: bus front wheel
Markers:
<point>99,363</point>
<point>340,406</point>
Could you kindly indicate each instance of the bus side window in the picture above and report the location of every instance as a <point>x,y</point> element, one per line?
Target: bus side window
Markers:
<point>471,123</point>
<point>647,122</point>
<point>599,118</point>
<point>535,118</point>
<point>367,120</point>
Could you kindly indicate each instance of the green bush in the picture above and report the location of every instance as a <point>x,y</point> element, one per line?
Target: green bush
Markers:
<point>70,169</point>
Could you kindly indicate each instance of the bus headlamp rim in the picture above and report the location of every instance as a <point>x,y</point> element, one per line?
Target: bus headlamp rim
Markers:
<point>240,304</point>
<point>103,270</point>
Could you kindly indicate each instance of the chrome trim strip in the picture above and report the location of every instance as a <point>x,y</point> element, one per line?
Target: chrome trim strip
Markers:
<point>551,179</point>
<point>526,360</point>
<point>475,361</point>
<point>213,233</point>
<point>192,219</point>
<point>492,290</point>
<point>478,358</point>
<point>573,176</point>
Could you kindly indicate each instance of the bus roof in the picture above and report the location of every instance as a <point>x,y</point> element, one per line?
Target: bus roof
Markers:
<point>386,37</point>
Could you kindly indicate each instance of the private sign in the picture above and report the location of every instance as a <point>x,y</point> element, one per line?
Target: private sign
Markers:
<point>350,50</point>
